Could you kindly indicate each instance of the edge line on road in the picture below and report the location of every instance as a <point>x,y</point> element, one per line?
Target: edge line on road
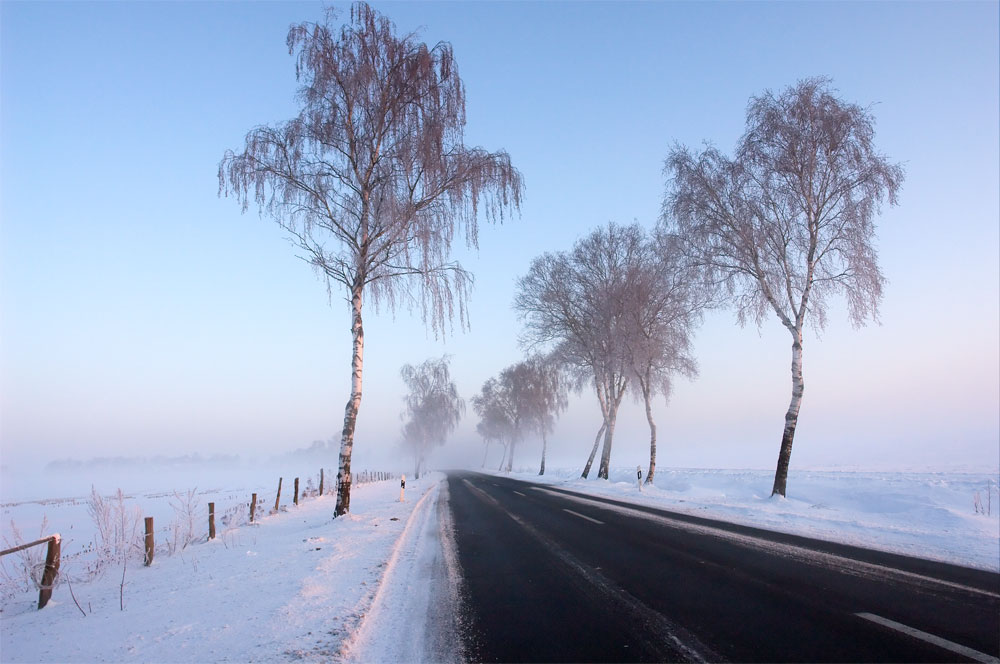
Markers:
<point>582,516</point>
<point>520,494</point>
<point>956,648</point>
<point>793,550</point>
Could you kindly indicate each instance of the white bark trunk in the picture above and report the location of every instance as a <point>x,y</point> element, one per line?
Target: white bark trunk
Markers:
<point>600,432</point>
<point>647,397</point>
<point>352,408</point>
<point>791,417</point>
<point>614,401</point>
<point>545,445</point>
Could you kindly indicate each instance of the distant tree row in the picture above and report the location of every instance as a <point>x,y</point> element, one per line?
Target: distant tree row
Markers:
<point>371,182</point>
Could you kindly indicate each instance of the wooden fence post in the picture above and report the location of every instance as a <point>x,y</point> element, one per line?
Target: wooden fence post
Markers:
<point>150,545</point>
<point>253,506</point>
<point>296,498</point>
<point>277,499</point>
<point>51,571</point>
<point>211,521</point>
<point>321,481</point>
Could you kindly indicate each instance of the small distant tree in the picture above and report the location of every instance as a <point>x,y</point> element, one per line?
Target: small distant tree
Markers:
<point>512,399</point>
<point>545,396</point>
<point>433,407</point>
<point>371,180</point>
<point>788,223</point>
<point>496,419</point>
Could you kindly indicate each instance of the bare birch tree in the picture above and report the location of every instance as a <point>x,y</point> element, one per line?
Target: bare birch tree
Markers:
<point>665,305</point>
<point>576,302</point>
<point>788,223</point>
<point>496,416</point>
<point>372,180</point>
<point>433,407</point>
<point>514,396</point>
<point>545,397</point>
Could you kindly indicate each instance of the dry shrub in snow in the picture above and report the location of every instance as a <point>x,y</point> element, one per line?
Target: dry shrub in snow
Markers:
<point>118,535</point>
<point>182,528</point>
<point>21,572</point>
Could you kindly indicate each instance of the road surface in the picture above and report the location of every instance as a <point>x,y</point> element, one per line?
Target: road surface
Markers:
<point>550,575</point>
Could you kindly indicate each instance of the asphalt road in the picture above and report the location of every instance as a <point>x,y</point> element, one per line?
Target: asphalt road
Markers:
<point>554,576</point>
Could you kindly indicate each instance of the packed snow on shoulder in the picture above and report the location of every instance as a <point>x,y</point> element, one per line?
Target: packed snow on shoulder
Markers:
<point>297,584</point>
<point>945,516</point>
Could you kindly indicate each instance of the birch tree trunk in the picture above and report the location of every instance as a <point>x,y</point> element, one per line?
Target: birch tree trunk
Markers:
<point>791,417</point>
<point>604,425</point>
<point>647,397</point>
<point>614,396</point>
<point>353,404</point>
<point>486,453</point>
<point>593,451</point>
<point>609,432</point>
<point>545,445</point>
<point>510,456</point>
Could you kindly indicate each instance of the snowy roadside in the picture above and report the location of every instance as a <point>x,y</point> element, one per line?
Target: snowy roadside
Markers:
<point>294,587</point>
<point>923,514</point>
<point>414,617</point>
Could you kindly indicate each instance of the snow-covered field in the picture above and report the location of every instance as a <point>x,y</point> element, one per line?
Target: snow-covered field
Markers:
<point>924,514</point>
<point>295,586</point>
<point>378,584</point>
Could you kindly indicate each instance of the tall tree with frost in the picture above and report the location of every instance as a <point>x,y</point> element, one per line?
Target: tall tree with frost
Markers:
<point>576,302</point>
<point>788,222</point>
<point>372,180</point>
<point>665,305</point>
<point>433,407</point>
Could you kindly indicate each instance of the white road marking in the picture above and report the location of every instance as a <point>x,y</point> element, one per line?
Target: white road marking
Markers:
<point>930,638</point>
<point>673,636</point>
<point>582,516</point>
<point>520,494</point>
<point>829,560</point>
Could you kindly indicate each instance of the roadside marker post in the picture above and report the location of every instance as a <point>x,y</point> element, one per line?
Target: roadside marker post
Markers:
<point>402,489</point>
<point>638,475</point>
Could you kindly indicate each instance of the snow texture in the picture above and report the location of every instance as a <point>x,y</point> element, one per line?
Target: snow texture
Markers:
<point>382,583</point>
<point>294,587</point>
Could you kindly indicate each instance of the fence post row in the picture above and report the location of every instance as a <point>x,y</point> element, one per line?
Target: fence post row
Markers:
<point>53,552</point>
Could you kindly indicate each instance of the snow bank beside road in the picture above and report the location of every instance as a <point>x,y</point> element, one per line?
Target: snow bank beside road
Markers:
<point>414,617</point>
<point>923,514</point>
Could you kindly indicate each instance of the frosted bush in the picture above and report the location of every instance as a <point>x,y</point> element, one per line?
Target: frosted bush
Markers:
<point>118,535</point>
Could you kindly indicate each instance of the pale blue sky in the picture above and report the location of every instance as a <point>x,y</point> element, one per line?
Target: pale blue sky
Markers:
<point>142,314</point>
